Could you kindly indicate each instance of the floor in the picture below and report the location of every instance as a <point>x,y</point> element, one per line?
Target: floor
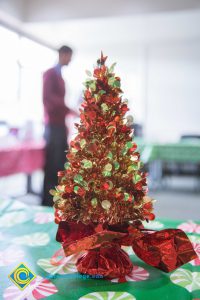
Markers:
<point>178,198</point>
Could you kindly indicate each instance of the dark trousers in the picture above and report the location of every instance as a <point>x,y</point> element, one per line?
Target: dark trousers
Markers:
<point>55,158</point>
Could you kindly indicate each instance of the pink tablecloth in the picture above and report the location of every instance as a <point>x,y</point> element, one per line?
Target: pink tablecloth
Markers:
<point>25,157</point>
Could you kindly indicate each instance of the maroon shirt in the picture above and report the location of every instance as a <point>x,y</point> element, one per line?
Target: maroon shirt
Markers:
<point>55,109</point>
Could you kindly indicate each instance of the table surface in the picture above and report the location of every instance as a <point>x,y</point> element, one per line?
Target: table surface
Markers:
<point>21,157</point>
<point>182,152</point>
<point>27,235</point>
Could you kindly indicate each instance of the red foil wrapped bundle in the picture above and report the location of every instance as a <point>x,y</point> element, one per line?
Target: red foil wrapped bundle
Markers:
<point>109,260</point>
<point>166,249</point>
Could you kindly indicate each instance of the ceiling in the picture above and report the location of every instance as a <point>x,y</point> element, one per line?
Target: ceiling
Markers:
<point>51,10</point>
<point>92,24</point>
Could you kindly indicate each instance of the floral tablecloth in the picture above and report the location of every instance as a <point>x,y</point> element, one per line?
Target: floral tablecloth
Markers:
<point>27,235</point>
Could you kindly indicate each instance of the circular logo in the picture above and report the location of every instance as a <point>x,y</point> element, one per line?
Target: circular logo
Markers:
<point>21,276</point>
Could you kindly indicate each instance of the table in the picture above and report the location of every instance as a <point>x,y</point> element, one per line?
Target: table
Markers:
<point>22,157</point>
<point>176,152</point>
<point>156,155</point>
<point>27,235</point>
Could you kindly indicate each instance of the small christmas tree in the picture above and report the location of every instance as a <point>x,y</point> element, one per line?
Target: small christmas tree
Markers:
<point>100,201</point>
<point>102,185</point>
<point>102,181</point>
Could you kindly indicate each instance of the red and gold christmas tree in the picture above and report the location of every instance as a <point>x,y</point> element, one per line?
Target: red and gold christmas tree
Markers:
<point>101,199</point>
<point>103,182</point>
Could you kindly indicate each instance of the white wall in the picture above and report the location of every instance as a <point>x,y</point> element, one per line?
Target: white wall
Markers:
<point>173,93</point>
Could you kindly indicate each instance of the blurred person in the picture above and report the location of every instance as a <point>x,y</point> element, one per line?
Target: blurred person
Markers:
<point>55,112</point>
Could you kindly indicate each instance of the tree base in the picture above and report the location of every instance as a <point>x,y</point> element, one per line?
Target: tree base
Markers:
<point>108,261</point>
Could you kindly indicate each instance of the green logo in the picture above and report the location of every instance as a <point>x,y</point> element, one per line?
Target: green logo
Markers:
<point>22,276</point>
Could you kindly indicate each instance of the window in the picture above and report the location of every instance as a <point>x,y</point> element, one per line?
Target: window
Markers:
<point>9,73</point>
<point>22,63</point>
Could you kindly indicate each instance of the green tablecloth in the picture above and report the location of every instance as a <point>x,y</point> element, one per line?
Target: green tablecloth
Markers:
<point>27,236</point>
<point>177,152</point>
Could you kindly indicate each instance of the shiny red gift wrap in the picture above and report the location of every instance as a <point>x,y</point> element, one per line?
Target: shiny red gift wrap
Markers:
<point>109,261</point>
<point>166,249</point>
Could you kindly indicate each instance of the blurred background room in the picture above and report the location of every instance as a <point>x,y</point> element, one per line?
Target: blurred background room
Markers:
<point>156,44</point>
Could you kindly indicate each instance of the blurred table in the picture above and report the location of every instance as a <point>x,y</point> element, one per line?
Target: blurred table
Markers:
<point>177,152</point>
<point>22,157</point>
<point>28,236</point>
<point>155,155</point>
